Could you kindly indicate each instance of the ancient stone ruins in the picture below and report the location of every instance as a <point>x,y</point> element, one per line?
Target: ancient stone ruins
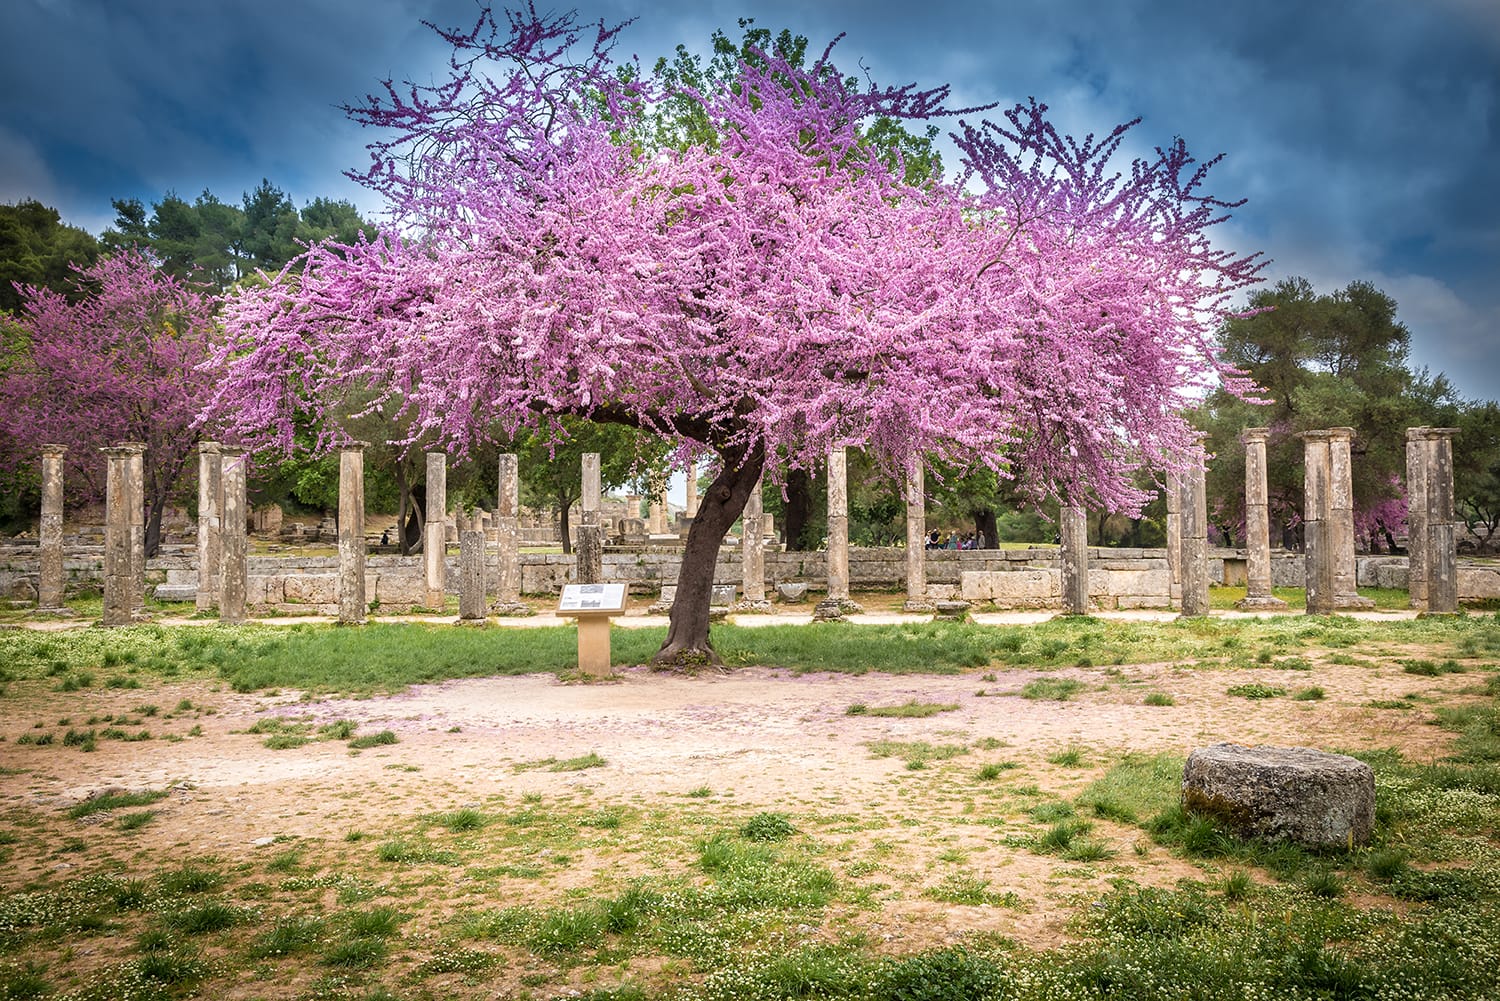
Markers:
<point>490,573</point>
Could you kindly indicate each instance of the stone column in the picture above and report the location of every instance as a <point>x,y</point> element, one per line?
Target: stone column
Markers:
<point>838,601</point>
<point>1340,516</point>
<point>588,546</point>
<point>472,600</point>
<point>49,589</point>
<point>1073,530</point>
<point>1317,535</point>
<point>434,537</point>
<point>234,571</point>
<point>135,479</point>
<point>916,537</point>
<point>1193,548</point>
<point>352,603</point>
<point>210,524</point>
<point>1174,541</point>
<point>508,539</point>
<point>753,555</point>
<point>690,508</point>
<point>1416,518</point>
<point>656,520</point>
<point>116,538</point>
<point>1432,544</point>
<point>1258,594</point>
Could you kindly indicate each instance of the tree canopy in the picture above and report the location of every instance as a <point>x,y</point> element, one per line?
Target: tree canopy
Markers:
<point>774,290</point>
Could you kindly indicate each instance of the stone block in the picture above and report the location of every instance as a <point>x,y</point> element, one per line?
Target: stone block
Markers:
<point>399,589</point>
<point>176,592</point>
<point>265,589</point>
<point>1478,583</point>
<point>792,590</point>
<point>1299,794</point>
<point>723,596</point>
<point>1027,588</point>
<point>312,589</point>
<point>1393,575</point>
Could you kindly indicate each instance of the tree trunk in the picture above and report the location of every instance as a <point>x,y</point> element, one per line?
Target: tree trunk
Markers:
<point>411,530</point>
<point>798,505</point>
<point>687,644</point>
<point>153,525</point>
<point>985,529</point>
<point>564,501</point>
<point>403,502</point>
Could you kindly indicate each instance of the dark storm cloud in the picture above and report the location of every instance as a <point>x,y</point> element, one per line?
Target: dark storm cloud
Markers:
<point>1366,134</point>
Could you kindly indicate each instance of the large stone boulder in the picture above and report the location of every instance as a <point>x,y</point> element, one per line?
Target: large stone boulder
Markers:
<point>1299,794</point>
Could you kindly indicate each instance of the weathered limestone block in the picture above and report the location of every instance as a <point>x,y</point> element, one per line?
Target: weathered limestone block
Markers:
<point>400,589</point>
<point>1392,575</point>
<point>1478,583</point>
<point>1299,794</point>
<point>176,592</point>
<point>265,589</point>
<point>311,589</point>
<point>1038,588</point>
<point>473,603</point>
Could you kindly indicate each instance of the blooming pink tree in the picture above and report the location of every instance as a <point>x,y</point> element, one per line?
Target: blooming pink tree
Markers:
<point>122,363</point>
<point>760,296</point>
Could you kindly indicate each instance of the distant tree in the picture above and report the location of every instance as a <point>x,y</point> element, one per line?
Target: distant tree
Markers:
<point>38,249</point>
<point>272,226</point>
<point>124,362</point>
<point>1476,470</point>
<point>1324,360</point>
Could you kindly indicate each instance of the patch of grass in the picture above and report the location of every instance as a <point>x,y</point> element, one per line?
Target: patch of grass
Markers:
<point>1051,689</point>
<point>1313,694</point>
<point>289,936</point>
<point>1070,757</point>
<point>341,729</point>
<point>189,878</point>
<point>994,769</point>
<point>969,889</point>
<point>578,764</point>
<point>381,739</point>
<point>767,827</point>
<point>911,709</point>
<point>1158,699</point>
<point>700,792</point>
<point>1256,690</point>
<point>115,801</point>
<point>135,821</point>
<point>285,741</point>
<point>466,819</point>
<point>404,852</point>
<point>916,753</point>
<point>1137,787</point>
<point>208,917</point>
<point>355,953</point>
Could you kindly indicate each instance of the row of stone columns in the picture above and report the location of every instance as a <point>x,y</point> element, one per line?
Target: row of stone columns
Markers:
<point>222,562</point>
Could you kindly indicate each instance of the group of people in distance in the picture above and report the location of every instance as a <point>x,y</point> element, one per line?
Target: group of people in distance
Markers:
<point>951,540</point>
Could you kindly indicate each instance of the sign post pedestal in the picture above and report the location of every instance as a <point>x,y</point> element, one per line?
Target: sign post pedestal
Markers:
<point>593,605</point>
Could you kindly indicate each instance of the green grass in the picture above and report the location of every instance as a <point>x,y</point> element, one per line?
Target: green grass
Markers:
<point>911,709</point>
<point>115,801</point>
<point>1051,689</point>
<point>381,739</point>
<point>1255,690</point>
<point>1158,699</point>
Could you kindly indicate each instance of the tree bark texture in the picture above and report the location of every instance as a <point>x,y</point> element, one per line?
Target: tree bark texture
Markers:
<point>687,643</point>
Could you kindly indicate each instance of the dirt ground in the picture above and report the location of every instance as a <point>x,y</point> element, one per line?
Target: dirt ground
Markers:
<point>759,739</point>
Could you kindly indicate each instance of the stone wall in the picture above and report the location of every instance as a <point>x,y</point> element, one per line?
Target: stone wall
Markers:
<point>1020,578</point>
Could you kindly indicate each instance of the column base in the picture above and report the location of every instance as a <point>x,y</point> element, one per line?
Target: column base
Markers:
<point>1352,602</point>
<point>61,611</point>
<point>836,608</point>
<point>919,605</point>
<point>512,609</point>
<point>1260,603</point>
<point>755,606</point>
<point>951,611</point>
<point>482,620</point>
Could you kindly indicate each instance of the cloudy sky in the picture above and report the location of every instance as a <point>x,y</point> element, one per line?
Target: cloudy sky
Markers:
<point>1365,133</point>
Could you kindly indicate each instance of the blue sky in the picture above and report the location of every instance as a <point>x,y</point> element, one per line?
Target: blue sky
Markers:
<point>1365,133</point>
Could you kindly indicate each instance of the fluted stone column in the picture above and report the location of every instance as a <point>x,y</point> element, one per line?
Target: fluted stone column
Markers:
<point>352,602</point>
<point>916,537</point>
<point>589,545</point>
<point>508,539</point>
<point>473,603</point>
<point>210,524</point>
<point>1341,519</point>
<point>1174,541</point>
<point>656,518</point>
<point>434,537</point>
<point>1193,517</point>
<point>838,601</point>
<point>49,590</point>
<point>117,562</point>
<point>136,481</point>
<point>1258,594</point>
<point>1073,531</point>
<point>1318,537</point>
<point>1432,543</point>
<point>234,566</point>
<point>690,508</point>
